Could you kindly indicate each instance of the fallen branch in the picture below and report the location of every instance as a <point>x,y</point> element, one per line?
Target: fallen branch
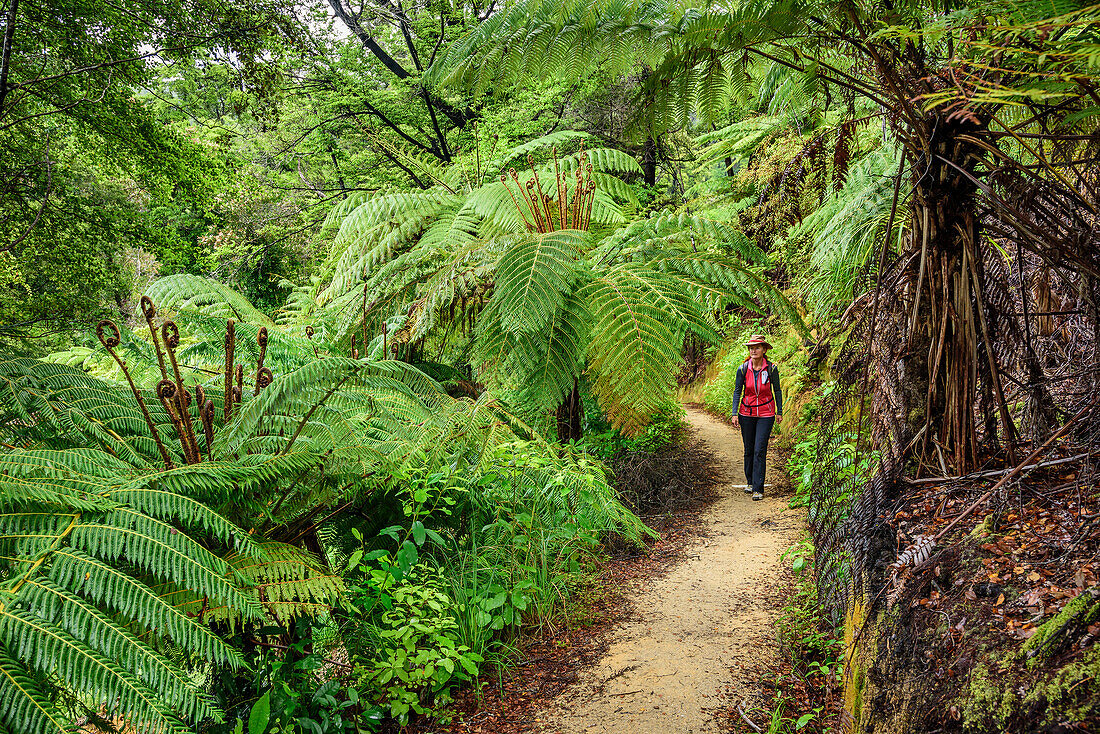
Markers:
<point>997,472</point>
<point>748,721</point>
<point>1019,468</point>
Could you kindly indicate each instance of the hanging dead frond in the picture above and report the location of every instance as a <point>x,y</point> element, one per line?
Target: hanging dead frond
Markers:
<point>842,153</point>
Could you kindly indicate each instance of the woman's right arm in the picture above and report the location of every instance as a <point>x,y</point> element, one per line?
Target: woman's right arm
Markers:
<point>738,386</point>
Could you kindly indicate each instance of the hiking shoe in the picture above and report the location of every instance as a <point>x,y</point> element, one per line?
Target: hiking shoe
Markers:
<point>757,496</point>
<point>748,489</point>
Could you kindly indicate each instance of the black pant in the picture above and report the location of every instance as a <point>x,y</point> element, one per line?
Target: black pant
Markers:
<point>755,432</point>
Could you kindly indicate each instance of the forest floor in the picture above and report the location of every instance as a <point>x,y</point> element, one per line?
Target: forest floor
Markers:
<point>675,645</point>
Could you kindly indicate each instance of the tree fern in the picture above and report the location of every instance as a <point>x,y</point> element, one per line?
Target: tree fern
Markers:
<point>79,562</point>
<point>515,257</point>
<point>124,565</point>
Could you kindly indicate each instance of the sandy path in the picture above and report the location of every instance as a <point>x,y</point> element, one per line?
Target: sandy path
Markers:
<point>696,625</point>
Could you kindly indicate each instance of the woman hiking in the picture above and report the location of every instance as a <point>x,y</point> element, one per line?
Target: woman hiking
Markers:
<point>758,405</point>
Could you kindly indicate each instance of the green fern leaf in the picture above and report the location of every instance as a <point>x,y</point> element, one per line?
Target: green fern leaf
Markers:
<point>24,706</point>
<point>534,276</point>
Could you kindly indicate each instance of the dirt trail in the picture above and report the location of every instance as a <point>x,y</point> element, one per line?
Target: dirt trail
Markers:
<point>664,668</point>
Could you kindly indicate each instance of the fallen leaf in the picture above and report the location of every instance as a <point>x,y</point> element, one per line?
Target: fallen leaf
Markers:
<point>1000,600</point>
<point>1034,576</point>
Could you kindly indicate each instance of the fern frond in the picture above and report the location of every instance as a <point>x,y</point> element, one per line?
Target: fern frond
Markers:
<point>534,276</point>
<point>165,505</point>
<point>106,585</point>
<point>290,581</point>
<point>544,142</point>
<point>160,549</point>
<point>24,706</point>
<point>47,647</point>
<point>206,295</point>
<point>634,345</point>
<point>87,624</point>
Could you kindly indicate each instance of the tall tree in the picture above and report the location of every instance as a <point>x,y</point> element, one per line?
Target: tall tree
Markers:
<point>80,145</point>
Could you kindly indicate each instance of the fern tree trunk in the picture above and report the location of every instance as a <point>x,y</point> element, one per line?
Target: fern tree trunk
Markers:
<point>569,416</point>
<point>933,332</point>
<point>952,381</point>
<point>649,162</point>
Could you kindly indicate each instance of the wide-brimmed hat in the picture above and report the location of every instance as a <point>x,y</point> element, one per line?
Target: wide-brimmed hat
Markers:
<point>758,339</point>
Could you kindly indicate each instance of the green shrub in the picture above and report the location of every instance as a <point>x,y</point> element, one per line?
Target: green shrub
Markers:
<point>666,429</point>
<point>474,555</point>
<point>417,660</point>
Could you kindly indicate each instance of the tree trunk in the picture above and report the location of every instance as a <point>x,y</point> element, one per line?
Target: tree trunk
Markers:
<point>649,162</point>
<point>949,367</point>
<point>569,416</point>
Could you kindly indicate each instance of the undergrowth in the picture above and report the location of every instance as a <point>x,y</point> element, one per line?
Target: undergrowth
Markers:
<point>808,683</point>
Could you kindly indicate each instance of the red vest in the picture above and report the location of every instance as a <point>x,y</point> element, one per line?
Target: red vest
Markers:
<point>757,399</point>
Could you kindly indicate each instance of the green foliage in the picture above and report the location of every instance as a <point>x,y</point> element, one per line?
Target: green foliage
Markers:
<point>116,569</point>
<point>839,454</point>
<point>847,230</point>
<point>616,300</point>
<point>416,661</point>
<point>474,556</point>
<point>680,44</point>
<point>604,442</point>
<point>88,574</point>
<point>536,39</point>
<point>91,176</point>
<point>811,645</point>
<point>103,535</point>
<point>294,687</point>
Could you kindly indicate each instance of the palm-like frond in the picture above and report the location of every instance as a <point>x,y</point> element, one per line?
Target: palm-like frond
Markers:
<point>541,38</point>
<point>82,542</point>
<point>182,291</point>
<point>534,276</point>
<point>635,342</point>
<point>845,230</point>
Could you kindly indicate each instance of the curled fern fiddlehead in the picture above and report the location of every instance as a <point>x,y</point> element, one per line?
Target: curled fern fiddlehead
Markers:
<point>110,342</point>
<point>230,346</point>
<point>208,423</point>
<point>261,340</point>
<point>170,399</point>
<point>149,310</point>
<point>170,333</point>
